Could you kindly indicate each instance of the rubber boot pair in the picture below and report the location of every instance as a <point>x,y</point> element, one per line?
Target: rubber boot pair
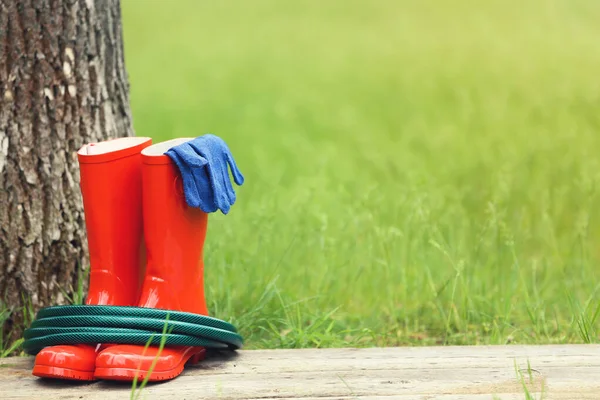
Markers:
<point>145,246</point>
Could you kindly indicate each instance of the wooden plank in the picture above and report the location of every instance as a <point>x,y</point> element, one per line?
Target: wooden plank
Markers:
<point>446,373</point>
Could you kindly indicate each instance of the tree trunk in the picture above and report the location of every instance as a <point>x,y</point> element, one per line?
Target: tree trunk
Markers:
<point>63,83</point>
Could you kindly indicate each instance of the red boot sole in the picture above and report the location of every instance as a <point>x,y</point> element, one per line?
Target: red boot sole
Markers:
<point>129,375</point>
<point>47,371</point>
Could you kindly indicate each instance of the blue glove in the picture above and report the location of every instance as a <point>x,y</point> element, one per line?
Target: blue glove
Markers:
<point>204,165</point>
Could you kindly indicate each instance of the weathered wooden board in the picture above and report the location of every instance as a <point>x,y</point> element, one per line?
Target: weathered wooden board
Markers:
<point>446,373</point>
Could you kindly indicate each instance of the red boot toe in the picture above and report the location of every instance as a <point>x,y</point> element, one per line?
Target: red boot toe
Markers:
<point>126,362</point>
<point>75,362</point>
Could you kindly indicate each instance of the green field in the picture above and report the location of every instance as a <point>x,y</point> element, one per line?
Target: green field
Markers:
<point>417,172</point>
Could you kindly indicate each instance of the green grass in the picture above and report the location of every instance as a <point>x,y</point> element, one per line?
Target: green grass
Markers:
<point>417,172</point>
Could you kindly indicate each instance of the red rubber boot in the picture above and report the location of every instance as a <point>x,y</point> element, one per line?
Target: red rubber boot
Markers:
<point>111,186</point>
<point>174,234</point>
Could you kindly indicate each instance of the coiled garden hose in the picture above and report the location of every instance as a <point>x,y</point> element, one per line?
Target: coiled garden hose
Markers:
<point>127,325</point>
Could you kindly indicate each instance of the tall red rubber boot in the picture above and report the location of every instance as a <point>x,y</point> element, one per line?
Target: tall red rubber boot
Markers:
<point>174,234</point>
<point>111,186</point>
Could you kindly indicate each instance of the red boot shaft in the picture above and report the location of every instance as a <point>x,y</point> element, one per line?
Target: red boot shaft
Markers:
<point>111,184</point>
<point>174,234</point>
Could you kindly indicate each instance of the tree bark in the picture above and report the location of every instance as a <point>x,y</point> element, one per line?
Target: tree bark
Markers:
<point>63,83</point>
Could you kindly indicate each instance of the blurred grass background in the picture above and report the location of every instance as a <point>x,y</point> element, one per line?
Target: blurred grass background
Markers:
<point>417,172</point>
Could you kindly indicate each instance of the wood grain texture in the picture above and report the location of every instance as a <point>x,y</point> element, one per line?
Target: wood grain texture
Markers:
<point>447,373</point>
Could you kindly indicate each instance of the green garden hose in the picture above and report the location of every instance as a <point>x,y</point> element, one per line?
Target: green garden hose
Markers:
<point>127,325</point>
